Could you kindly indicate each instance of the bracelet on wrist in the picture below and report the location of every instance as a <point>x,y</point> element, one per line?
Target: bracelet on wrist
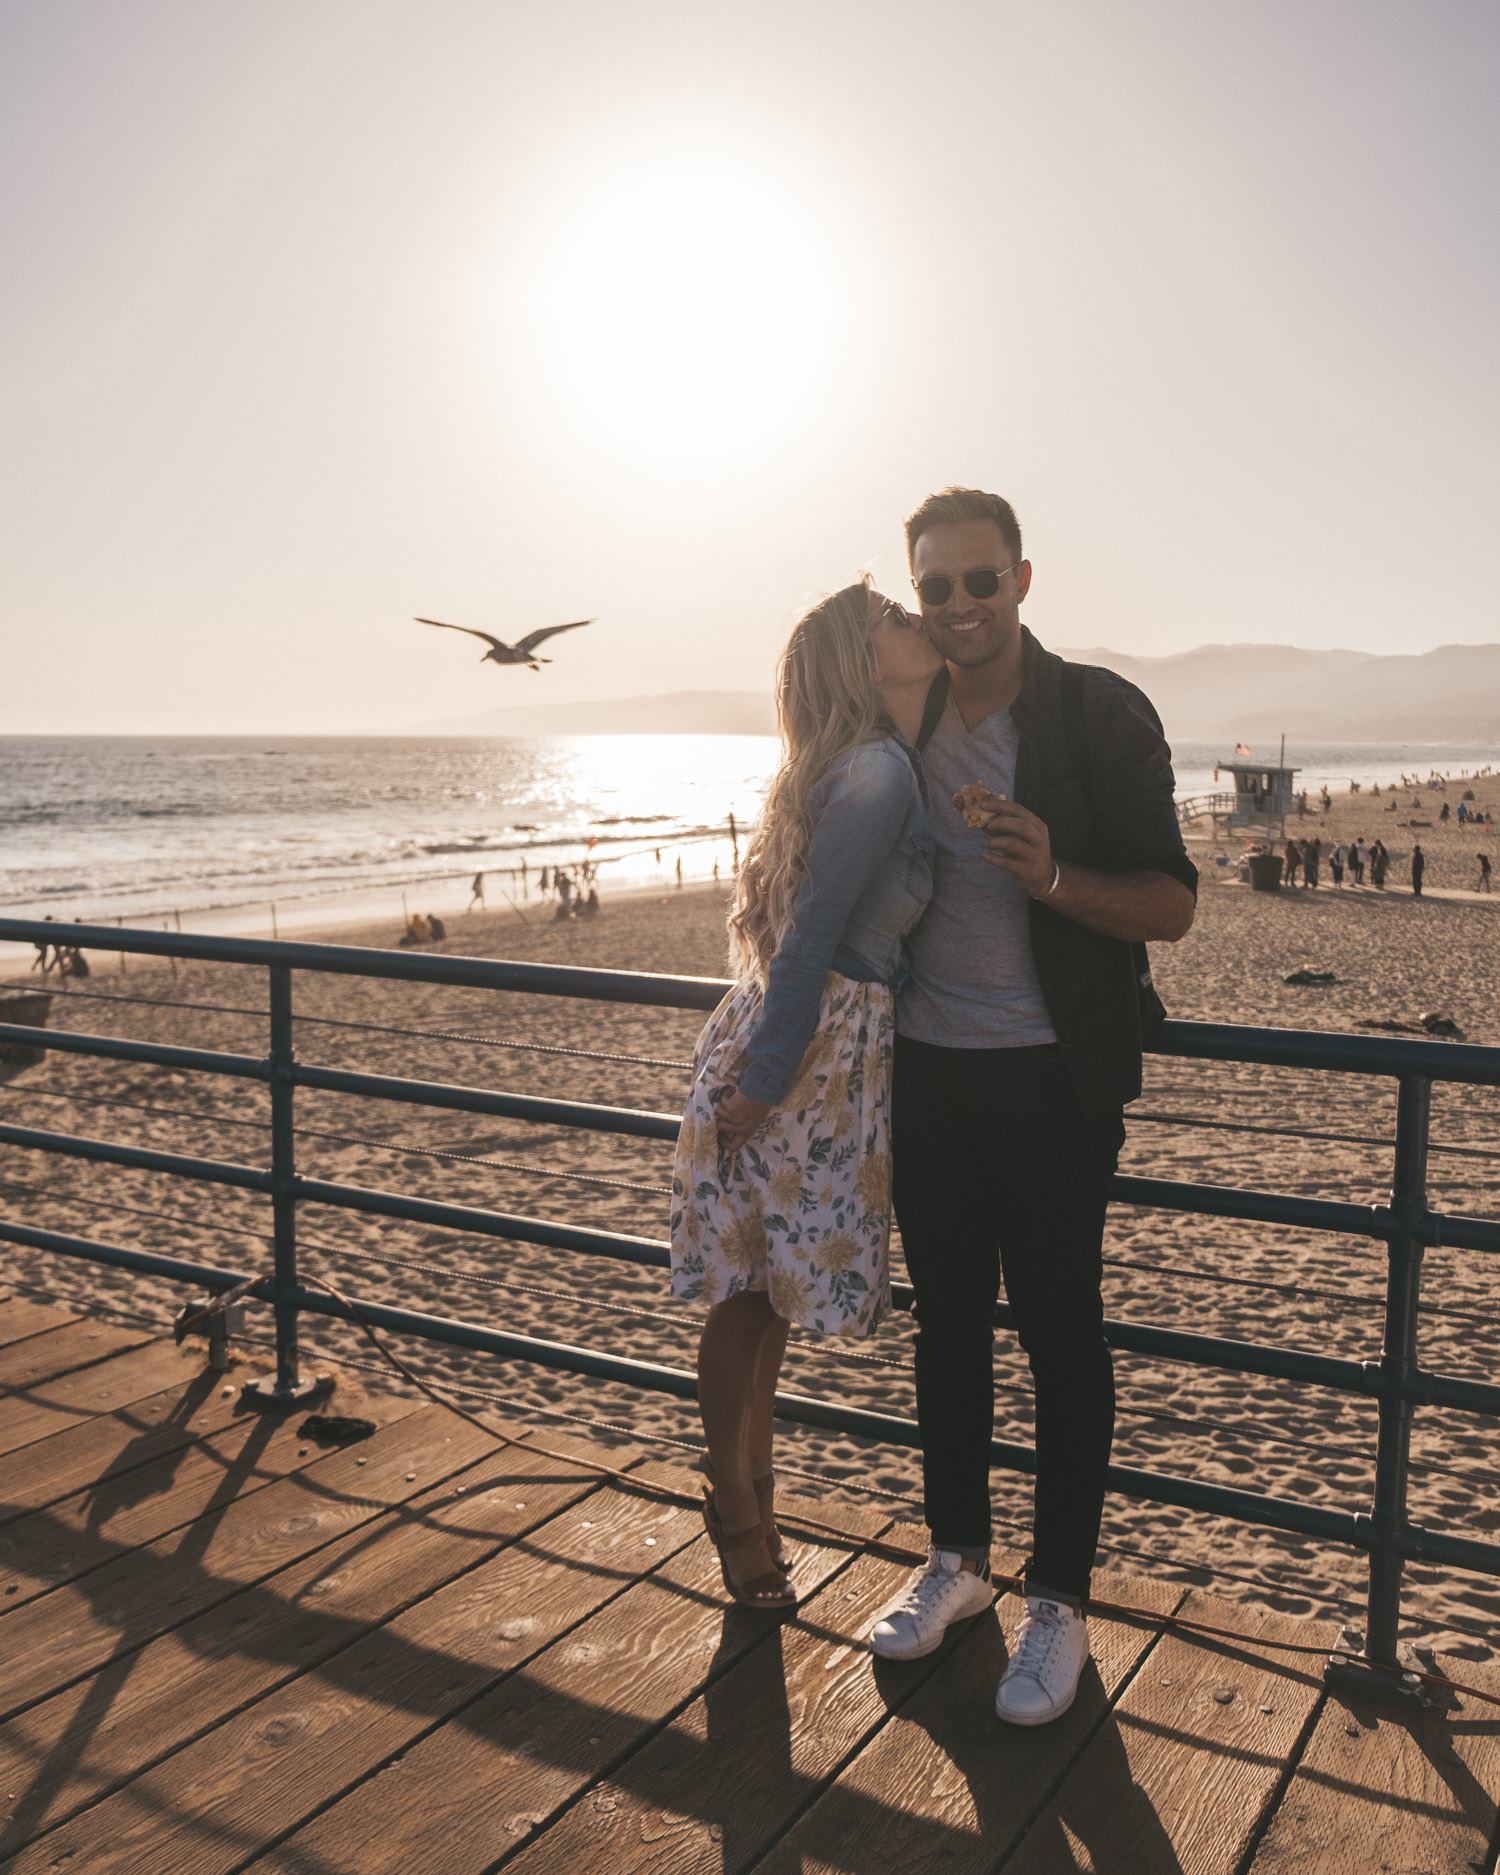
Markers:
<point>1056,881</point>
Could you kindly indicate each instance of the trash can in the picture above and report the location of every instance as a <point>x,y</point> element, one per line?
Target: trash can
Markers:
<point>1265,872</point>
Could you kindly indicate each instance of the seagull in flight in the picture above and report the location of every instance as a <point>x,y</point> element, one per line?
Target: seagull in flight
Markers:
<point>523,652</point>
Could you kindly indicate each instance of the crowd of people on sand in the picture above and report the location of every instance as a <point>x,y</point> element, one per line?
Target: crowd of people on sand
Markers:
<point>1303,861</point>
<point>1360,860</point>
<point>575,888</point>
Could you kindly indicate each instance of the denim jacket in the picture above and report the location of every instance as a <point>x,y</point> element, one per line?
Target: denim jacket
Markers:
<point>869,877</point>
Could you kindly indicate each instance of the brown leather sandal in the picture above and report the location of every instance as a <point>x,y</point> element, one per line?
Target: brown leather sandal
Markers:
<point>745,1562</point>
<point>765,1495</point>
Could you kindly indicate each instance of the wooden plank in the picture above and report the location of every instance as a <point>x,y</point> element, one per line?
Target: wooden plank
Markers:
<point>943,1784</point>
<point>60,1350</point>
<point>1379,1788</point>
<point>206,1808</point>
<point>137,1430</point>
<point>481,1785</point>
<point>20,1317</point>
<point>74,1748</point>
<point>135,1506</point>
<point>52,1405</point>
<point>141,1593</point>
<point>711,1790</point>
<point>1181,1771</point>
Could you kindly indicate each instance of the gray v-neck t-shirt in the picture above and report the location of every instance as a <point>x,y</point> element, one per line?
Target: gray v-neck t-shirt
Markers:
<point>973,983</point>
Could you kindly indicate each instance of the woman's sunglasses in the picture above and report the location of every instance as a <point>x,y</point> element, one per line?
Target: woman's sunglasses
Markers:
<point>980,582</point>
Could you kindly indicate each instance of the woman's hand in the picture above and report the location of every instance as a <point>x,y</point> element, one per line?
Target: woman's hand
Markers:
<point>739,1118</point>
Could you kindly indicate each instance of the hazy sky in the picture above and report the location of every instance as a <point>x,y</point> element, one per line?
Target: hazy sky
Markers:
<point>316,316</point>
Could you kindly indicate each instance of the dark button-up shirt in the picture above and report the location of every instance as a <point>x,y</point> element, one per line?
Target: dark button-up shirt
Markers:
<point>1094,765</point>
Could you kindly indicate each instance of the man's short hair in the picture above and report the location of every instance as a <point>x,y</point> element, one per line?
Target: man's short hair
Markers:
<point>951,507</point>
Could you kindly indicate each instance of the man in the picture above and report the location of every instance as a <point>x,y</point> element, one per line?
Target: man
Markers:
<point>1418,870</point>
<point>1018,1044</point>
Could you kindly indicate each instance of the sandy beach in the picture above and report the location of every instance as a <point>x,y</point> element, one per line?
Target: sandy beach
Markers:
<point>1394,959</point>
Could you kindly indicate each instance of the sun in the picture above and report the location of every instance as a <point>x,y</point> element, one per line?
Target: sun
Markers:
<point>682,308</point>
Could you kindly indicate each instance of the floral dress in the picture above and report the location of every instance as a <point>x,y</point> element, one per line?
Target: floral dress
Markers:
<point>804,1210</point>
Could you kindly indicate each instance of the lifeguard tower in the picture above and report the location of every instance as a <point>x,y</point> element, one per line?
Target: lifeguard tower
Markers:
<point>1264,794</point>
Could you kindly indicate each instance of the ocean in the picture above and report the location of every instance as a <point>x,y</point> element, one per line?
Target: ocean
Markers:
<point>212,832</point>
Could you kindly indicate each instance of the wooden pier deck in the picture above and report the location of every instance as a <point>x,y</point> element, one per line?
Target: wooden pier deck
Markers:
<point>224,1647</point>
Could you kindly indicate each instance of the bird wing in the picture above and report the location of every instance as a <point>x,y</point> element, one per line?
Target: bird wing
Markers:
<point>496,642</point>
<point>533,639</point>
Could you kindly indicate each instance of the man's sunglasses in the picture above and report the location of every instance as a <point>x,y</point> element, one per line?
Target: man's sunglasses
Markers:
<point>980,582</point>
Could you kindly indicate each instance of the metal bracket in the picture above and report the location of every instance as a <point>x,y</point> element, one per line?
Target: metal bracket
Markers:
<point>216,1320</point>
<point>1401,1686</point>
<point>264,1393</point>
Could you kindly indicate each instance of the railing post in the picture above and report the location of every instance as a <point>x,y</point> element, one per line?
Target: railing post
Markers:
<point>288,1388</point>
<point>1398,1361</point>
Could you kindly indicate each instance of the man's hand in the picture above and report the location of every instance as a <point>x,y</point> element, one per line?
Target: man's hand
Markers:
<point>739,1119</point>
<point>1018,843</point>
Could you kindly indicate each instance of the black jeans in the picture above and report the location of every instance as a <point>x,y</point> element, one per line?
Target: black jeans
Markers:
<point>997,1167</point>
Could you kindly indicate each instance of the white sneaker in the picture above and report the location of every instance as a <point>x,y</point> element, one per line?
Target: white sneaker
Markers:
<point>944,1592</point>
<point>1042,1678</point>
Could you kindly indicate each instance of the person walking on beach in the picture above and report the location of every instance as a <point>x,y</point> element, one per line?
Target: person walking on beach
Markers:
<point>1336,864</point>
<point>1359,853</point>
<point>476,893</point>
<point>1418,870</point>
<point>1483,884</point>
<point>1019,1039</point>
<point>781,1207</point>
<point>1293,861</point>
<point>1312,851</point>
<point>1380,858</point>
<point>42,961</point>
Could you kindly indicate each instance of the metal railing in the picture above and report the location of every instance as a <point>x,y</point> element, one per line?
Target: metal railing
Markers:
<point>1407,1226</point>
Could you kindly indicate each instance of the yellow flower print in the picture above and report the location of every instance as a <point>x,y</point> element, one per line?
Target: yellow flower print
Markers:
<point>744,1241</point>
<point>785,1186</point>
<point>687,1140</point>
<point>819,1053</point>
<point>836,1089</point>
<point>789,1294</point>
<point>836,1254</point>
<point>874,1181</point>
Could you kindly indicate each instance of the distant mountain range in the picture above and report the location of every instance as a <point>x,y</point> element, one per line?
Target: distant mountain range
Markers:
<point>1240,691</point>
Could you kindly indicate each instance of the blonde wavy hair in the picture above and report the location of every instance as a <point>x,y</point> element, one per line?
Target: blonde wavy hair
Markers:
<point>827,700</point>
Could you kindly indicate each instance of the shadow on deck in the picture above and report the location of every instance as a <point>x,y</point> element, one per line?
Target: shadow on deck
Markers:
<point>226,1648</point>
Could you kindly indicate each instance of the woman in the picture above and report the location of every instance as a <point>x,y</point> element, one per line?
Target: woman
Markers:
<point>781,1184</point>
